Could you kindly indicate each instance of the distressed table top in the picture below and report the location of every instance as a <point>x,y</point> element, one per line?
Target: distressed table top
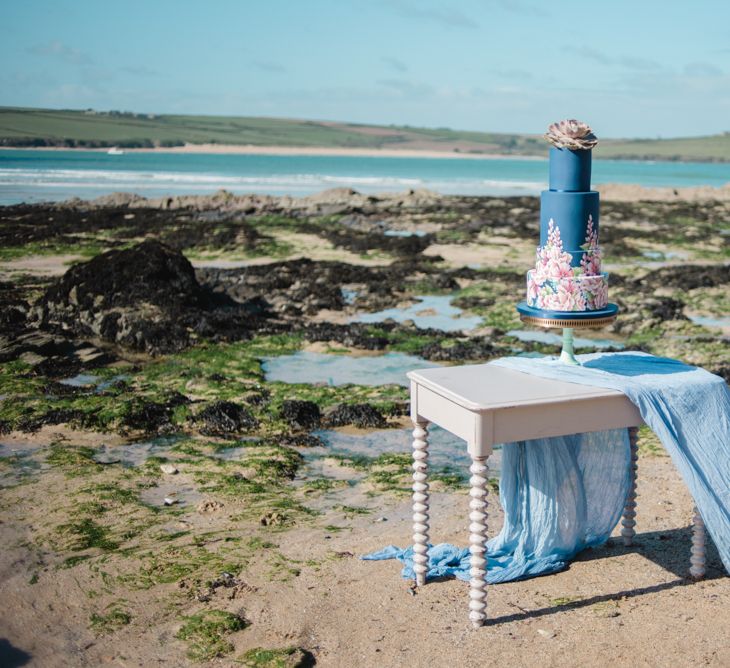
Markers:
<point>486,404</point>
<point>480,387</point>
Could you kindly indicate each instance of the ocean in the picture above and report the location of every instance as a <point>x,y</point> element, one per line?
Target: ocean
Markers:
<point>35,176</point>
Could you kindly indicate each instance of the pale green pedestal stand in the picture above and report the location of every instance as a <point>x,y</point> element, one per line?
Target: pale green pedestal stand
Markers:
<point>568,324</point>
<point>566,354</point>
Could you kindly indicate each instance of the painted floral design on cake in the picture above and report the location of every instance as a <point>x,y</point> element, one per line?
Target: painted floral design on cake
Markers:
<point>591,260</point>
<point>557,284</point>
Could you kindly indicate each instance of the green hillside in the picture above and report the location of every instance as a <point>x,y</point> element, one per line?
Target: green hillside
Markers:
<point>713,148</point>
<point>41,127</point>
<point>91,129</point>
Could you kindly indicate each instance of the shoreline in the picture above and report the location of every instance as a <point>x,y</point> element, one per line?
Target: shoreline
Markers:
<point>250,149</point>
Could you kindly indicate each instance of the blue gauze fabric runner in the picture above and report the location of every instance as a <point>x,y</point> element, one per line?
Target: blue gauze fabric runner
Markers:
<point>562,495</point>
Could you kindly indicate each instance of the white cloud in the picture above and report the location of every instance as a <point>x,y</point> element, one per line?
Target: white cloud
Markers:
<point>60,51</point>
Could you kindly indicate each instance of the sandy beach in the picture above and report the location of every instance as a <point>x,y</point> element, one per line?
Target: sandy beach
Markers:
<point>243,149</point>
<point>164,501</point>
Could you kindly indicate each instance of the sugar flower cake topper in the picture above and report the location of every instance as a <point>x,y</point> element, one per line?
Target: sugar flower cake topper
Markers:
<point>571,134</point>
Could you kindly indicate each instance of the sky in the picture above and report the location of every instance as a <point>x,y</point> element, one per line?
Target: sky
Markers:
<point>630,68</point>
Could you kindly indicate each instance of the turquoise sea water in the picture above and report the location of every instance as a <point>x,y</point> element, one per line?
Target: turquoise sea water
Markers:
<point>33,176</point>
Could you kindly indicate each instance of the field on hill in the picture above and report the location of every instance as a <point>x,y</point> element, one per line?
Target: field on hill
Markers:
<point>91,129</point>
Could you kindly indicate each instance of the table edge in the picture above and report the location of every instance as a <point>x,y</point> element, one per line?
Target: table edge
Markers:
<point>592,392</point>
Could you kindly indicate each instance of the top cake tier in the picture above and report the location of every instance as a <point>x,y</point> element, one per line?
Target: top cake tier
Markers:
<point>570,170</point>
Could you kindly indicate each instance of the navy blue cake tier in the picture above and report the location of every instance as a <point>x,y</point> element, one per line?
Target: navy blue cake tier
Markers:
<point>570,213</point>
<point>567,277</point>
<point>570,170</point>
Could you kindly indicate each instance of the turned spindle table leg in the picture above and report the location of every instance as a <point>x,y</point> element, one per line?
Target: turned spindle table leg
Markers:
<point>629,518</point>
<point>420,501</point>
<point>478,541</point>
<point>697,553</point>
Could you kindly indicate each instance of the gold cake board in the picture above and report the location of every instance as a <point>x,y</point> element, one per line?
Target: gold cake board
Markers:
<point>572,323</point>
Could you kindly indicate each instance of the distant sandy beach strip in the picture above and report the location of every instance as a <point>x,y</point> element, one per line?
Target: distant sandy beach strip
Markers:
<point>246,149</point>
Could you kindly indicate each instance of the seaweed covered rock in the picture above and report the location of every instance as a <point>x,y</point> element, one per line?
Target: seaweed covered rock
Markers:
<point>686,276</point>
<point>52,355</point>
<point>302,441</point>
<point>459,350</point>
<point>364,416</point>
<point>153,417</point>
<point>722,370</point>
<point>146,297</point>
<point>300,414</point>
<point>150,273</point>
<point>225,418</point>
<point>13,309</point>
<point>666,308</point>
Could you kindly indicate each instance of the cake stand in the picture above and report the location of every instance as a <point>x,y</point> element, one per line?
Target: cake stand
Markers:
<point>567,321</point>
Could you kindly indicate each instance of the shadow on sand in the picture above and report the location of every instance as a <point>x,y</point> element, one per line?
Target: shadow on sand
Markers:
<point>11,656</point>
<point>668,549</point>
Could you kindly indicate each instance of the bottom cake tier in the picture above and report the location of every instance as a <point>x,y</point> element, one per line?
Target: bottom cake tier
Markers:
<point>572,293</point>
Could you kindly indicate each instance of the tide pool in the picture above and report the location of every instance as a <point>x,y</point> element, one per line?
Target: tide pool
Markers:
<point>429,312</point>
<point>309,367</point>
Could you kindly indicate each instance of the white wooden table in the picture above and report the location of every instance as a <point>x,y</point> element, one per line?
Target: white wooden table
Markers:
<point>486,405</point>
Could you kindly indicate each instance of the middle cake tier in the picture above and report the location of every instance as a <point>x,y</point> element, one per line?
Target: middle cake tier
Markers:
<point>570,293</point>
<point>573,214</point>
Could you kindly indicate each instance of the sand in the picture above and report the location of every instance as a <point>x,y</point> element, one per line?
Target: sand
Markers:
<point>249,149</point>
<point>614,606</point>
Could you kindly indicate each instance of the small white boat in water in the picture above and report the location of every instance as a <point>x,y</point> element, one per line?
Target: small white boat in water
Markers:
<point>115,150</point>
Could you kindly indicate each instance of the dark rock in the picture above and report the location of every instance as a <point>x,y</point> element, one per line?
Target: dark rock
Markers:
<point>723,371</point>
<point>52,355</point>
<point>690,276</point>
<point>258,399</point>
<point>225,418</point>
<point>459,350</point>
<point>666,308</point>
<point>42,344</point>
<point>359,242</point>
<point>302,441</point>
<point>54,416</point>
<point>399,409</point>
<point>148,273</point>
<point>360,415</point>
<point>64,390</point>
<point>153,417</point>
<point>13,309</point>
<point>300,414</point>
<point>146,297</point>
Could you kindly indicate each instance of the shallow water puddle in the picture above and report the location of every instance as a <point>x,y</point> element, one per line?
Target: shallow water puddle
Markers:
<point>349,295</point>
<point>133,454</point>
<point>18,462</point>
<point>445,449</point>
<point>669,255</point>
<point>429,312</point>
<point>20,448</point>
<point>81,380</point>
<point>404,233</point>
<point>710,321</point>
<point>310,367</point>
<point>88,380</point>
<point>557,339</point>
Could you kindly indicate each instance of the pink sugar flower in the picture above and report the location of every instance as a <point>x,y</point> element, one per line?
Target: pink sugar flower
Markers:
<point>567,298</point>
<point>533,289</point>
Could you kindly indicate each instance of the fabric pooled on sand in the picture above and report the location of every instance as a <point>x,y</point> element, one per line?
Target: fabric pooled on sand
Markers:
<point>562,495</point>
<point>548,490</point>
